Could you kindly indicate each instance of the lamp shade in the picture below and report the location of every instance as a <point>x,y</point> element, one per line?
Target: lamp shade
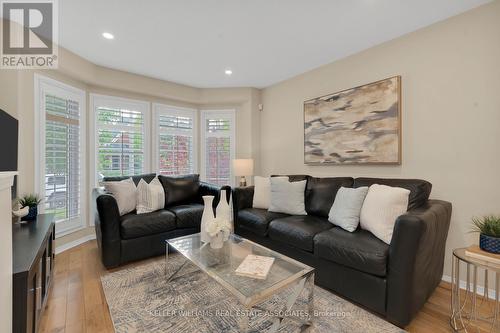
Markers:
<point>243,167</point>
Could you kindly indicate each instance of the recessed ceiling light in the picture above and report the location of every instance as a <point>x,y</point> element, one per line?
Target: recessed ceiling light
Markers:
<point>228,72</point>
<point>108,35</point>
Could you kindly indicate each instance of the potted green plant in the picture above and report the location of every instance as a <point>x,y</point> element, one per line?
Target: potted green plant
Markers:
<point>32,201</point>
<point>489,232</point>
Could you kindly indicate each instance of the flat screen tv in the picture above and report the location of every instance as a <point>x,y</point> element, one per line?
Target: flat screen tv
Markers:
<point>9,131</point>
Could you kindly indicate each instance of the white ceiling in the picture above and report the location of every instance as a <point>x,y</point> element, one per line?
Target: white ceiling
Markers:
<point>262,41</point>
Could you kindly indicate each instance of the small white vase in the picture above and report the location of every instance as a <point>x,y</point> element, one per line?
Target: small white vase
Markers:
<point>208,215</point>
<point>223,210</point>
<point>217,241</point>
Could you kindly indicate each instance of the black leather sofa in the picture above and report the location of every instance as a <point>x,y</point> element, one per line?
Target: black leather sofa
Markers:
<point>392,280</point>
<point>130,237</point>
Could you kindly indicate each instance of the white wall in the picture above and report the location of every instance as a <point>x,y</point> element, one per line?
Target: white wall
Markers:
<point>8,91</point>
<point>451,114</point>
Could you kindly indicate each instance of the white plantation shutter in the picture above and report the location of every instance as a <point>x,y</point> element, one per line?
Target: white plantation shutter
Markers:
<point>121,140</point>
<point>218,146</point>
<point>60,152</point>
<point>175,140</point>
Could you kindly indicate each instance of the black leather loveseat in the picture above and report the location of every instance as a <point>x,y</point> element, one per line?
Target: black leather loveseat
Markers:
<point>392,280</point>
<point>130,237</point>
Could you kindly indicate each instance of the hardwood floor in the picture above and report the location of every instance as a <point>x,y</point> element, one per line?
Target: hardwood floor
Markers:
<point>77,304</point>
<point>76,301</point>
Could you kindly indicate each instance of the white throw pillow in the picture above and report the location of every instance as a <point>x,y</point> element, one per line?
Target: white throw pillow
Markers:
<point>150,197</point>
<point>347,207</point>
<point>262,191</point>
<point>383,205</point>
<point>287,197</point>
<point>124,193</point>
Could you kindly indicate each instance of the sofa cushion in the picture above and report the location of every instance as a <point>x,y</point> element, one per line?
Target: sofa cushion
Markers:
<point>359,250</point>
<point>148,177</point>
<point>188,216</point>
<point>180,190</point>
<point>298,231</point>
<point>321,192</point>
<point>257,220</point>
<point>420,190</point>
<point>133,225</point>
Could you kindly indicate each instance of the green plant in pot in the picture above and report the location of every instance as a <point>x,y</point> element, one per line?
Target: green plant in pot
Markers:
<point>489,232</point>
<point>32,201</point>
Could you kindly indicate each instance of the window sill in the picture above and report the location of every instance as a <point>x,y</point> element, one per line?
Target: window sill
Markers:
<point>68,230</point>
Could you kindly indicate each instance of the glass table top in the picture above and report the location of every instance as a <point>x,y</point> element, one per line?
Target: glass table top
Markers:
<point>461,254</point>
<point>220,264</point>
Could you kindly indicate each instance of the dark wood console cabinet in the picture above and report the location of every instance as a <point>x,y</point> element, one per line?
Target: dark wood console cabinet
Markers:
<point>33,264</point>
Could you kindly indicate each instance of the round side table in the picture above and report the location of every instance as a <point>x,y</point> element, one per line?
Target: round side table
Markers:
<point>467,309</point>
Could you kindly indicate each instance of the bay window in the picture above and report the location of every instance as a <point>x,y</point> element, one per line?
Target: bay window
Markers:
<point>120,136</point>
<point>218,146</point>
<point>59,152</point>
<point>174,140</point>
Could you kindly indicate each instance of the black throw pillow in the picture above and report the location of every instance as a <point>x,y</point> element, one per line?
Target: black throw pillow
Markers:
<point>180,189</point>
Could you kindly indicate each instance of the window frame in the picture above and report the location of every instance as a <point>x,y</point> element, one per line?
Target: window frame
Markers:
<point>225,114</point>
<point>117,102</point>
<point>43,86</point>
<point>164,109</point>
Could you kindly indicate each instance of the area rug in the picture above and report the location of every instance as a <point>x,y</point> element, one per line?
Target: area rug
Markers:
<point>141,300</point>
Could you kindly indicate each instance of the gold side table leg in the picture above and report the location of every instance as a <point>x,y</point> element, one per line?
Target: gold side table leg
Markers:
<point>474,294</point>
<point>455,294</point>
<point>497,303</point>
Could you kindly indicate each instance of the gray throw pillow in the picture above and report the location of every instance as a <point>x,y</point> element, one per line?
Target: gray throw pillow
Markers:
<point>124,192</point>
<point>346,208</point>
<point>287,197</point>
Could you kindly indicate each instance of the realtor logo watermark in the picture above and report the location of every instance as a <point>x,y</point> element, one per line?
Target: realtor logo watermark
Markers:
<point>29,34</point>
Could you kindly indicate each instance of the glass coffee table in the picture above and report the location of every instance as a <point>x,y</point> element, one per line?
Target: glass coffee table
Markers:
<point>220,265</point>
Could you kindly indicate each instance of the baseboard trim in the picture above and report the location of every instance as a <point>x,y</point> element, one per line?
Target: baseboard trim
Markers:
<point>463,285</point>
<point>74,243</point>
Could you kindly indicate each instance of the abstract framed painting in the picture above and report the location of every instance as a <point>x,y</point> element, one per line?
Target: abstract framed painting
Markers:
<point>361,125</point>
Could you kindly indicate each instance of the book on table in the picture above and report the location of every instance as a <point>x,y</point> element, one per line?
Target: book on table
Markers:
<point>475,252</point>
<point>255,266</point>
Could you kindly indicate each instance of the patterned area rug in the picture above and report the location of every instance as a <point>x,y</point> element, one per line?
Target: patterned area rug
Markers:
<point>141,300</point>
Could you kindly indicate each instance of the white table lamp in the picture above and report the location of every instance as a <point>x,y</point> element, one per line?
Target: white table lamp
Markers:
<point>242,168</point>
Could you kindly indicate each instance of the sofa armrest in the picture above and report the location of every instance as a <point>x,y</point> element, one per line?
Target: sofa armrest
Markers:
<point>107,227</point>
<point>211,189</point>
<point>242,198</point>
<point>416,259</point>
